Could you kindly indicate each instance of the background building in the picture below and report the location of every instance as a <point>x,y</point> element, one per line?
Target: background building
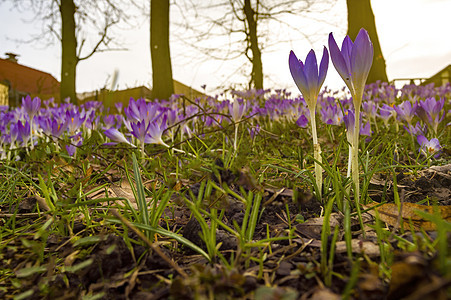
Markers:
<point>21,81</point>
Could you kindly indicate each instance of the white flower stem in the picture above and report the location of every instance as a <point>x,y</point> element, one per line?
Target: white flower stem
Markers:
<point>355,155</point>
<point>142,151</point>
<point>348,174</point>
<point>31,134</point>
<point>236,137</point>
<point>316,154</point>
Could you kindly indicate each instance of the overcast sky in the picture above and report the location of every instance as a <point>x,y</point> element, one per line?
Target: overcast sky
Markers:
<point>414,36</point>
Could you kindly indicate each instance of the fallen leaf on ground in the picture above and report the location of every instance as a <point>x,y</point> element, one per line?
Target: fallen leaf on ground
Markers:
<point>358,246</point>
<point>325,294</point>
<point>412,278</point>
<point>312,227</point>
<point>389,214</point>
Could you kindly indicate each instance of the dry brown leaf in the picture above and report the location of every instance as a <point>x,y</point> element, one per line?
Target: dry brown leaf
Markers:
<point>312,227</point>
<point>325,294</point>
<point>441,169</point>
<point>358,246</point>
<point>413,278</point>
<point>42,203</point>
<point>389,214</point>
<point>69,260</point>
<point>124,191</point>
<point>370,283</point>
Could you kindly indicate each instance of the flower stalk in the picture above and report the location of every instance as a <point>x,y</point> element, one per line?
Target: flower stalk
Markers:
<point>309,79</point>
<point>316,153</point>
<point>353,63</point>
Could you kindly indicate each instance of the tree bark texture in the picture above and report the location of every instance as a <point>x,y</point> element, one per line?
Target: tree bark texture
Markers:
<point>360,15</point>
<point>257,67</point>
<point>163,85</point>
<point>69,59</point>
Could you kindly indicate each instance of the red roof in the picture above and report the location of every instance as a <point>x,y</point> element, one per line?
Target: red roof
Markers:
<point>27,80</point>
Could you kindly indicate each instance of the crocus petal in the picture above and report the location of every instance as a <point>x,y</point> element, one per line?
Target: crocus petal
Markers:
<point>366,129</point>
<point>434,143</point>
<point>311,73</point>
<point>339,62</point>
<point>71,149</point>
<point>302,121</point>
<point>297,72</point>
<point>324,65</point>
<point>349,119</point>
<point>116,136</point>
<point>422,140</point>
<point>361,58</point>
<point>346,51</point>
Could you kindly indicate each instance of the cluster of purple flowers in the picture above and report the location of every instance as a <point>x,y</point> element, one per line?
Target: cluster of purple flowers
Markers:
<point>141,122</point>
<point>24,126</point>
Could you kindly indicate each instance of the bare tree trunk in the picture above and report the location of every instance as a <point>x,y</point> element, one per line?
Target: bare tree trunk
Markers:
<point>360,14</point>
<point>69,59</point>
<point>257,67</point>
<point>163,85</point>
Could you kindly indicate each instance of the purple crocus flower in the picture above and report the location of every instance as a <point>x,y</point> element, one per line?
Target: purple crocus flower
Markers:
<point>45,124</point>
<point>31,107</point>
<point>349,119</point>
<point>429,111</point>
<point>386,112</point>
<point>24,132</point>
<point>406,111</point>
<point>118,106</point>
<point>49,103</point>
<point>116,136</point>
<point>109,121</point>
<point>76,141</point>
<point>71,150</point>
<point>307,77</point>
<point>416,130</point>
<point>13,135</point>
<point>431,106</point>
<point>155,131</point>
<point>353,62</point>
<point>365,129</point>
<point>139,130</point>
<point>429,147</point>
<point>58,128</point>
<point>370,109</point>
<point>237,109</point>
<point>332,115</point>
<point>302,121</point>
<point>309,81</point>
<point>74,120</point>
<point>254,131</point>
<point>52,126</point>
<point>140,110</point>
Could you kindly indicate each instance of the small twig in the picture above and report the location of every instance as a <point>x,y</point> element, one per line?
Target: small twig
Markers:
<point>149,243</point>
<point>273,197</point>
<point>18,215</point>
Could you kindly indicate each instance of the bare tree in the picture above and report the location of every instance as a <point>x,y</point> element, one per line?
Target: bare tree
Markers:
<point>360,14</point>
<point>69,58</point>
<point>72,23</point>
<point>247,25</point>
<point>162,82</point>
<point>252,43</point>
